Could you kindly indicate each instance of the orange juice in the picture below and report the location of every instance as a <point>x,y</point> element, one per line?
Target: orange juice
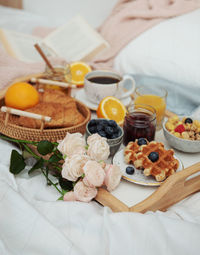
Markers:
<point>157,102</point>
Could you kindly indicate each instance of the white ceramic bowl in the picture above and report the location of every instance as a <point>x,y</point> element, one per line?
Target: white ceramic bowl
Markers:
<point>180,143</point>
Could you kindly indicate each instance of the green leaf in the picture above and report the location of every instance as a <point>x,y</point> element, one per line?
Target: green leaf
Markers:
<point>54,159</point>
<point>65,184</point>
<point>60,198</point>
<point>44,147</point>
<point>39,164</point>
<point>17,163</point>
<point>26,154</point>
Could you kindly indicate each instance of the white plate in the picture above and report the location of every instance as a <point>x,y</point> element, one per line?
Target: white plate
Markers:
<point>81,96</point>
<point>138,177</point>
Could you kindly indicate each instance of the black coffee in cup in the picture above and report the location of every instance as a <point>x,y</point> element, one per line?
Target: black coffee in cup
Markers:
<point>104,80</point>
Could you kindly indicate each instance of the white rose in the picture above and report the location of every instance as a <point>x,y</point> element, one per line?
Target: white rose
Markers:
<point>94,174</point>
<point>72,168</point>
<point>69,196</point>
<point>113,176</point>
<point>98,148</point>
<point>72,144</point>
<point>93,138</point>
<point>84,193</point>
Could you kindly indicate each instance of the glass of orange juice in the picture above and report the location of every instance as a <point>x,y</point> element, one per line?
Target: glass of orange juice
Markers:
<point>155,97</point>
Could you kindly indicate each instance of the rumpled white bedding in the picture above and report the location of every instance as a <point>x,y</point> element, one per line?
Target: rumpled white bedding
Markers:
<point>33,222</point>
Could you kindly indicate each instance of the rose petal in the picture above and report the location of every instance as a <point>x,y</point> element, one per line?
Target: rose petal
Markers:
<point>69,196</point>
<point>94,173</point>
<point>84,193</point>
<point>113,176</point>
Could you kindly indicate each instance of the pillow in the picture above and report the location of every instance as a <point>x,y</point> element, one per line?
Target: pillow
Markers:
<point>169,50</point>
<point>20,20</point>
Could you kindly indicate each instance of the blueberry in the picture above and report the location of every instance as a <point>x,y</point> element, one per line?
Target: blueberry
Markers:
<point>153,156</point>
<point>109,130</point>
<point>103,122</point>
<point>112,123</point>
<point>188,120</point>
<point>92,129</point>
<point>102,133</point>
<point>92,123</point>
<point>141,141</point>
<point>100,127</point>
<point>130,170</point>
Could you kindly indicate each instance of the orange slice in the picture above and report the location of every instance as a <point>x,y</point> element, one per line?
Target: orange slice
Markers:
<point>111,108</point>
<point>78,72</point>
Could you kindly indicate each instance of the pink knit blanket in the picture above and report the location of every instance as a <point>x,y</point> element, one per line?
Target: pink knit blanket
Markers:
<point>127,20</point>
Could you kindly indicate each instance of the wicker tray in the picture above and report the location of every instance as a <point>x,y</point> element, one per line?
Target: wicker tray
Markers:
<point>11,129</point>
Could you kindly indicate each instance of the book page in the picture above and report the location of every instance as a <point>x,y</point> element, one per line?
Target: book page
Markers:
<point>75,40</point>
<point>20,46</point>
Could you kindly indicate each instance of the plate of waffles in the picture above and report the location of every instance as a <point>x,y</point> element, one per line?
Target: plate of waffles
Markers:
<point>147,163</point>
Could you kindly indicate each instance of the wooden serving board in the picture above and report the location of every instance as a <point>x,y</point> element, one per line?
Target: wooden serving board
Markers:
<point>175,188</point>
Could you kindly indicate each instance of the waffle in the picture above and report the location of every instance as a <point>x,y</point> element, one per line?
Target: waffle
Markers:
<point>130,152</point>
<point>165,166</point>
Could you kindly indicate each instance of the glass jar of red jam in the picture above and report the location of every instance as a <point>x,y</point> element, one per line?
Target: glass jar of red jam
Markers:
<point>140,121</point>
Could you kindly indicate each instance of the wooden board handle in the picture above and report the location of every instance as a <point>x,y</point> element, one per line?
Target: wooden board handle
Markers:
<point>175,188</point>
<point>50,82</point>
<point>107,199</point>
<point>25,114</point>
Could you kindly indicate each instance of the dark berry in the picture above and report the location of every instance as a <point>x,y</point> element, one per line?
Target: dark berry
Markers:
<point>153,156</point>
<point>102,133</point>
<point>92,123</point>
<point>142,141</point>
<point>130,170</point>
<point>92,129</point>
<point>109,130</point>
<point>103,122</point>
<point>100,127</point>
<point>188,120</point>
<point>112,123</point>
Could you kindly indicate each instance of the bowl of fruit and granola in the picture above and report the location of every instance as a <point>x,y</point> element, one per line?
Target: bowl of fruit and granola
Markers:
<point>183,133</point>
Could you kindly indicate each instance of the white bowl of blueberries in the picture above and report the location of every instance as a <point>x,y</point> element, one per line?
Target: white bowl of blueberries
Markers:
<point>108,129</point>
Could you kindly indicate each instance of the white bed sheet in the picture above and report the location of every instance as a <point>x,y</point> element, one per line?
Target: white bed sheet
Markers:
<point>33,222</point>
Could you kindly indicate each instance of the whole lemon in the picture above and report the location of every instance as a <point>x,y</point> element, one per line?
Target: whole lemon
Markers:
<point>21,95</point>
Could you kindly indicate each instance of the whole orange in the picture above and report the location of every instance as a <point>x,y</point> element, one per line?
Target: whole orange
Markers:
<point>21,95</point>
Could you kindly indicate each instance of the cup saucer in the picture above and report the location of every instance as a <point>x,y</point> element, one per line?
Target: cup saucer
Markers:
<point>81,96</point>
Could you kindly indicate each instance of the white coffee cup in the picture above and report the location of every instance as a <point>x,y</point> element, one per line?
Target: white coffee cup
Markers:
<point>99,84</point>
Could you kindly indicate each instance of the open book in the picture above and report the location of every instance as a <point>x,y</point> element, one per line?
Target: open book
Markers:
<point>74,41</point>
